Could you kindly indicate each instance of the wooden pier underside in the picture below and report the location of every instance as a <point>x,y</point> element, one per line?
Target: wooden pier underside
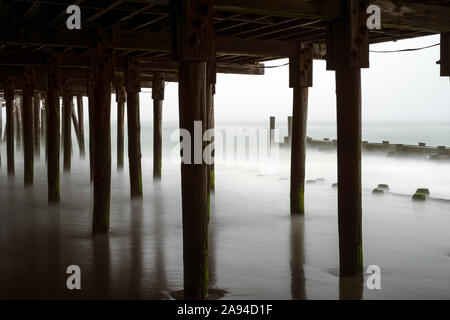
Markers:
<point>149,42</point>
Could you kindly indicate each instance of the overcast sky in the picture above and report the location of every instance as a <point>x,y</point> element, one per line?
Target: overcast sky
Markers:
<point>397,87</point>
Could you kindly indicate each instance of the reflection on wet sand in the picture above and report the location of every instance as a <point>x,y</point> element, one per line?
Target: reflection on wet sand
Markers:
<point>297,259</point>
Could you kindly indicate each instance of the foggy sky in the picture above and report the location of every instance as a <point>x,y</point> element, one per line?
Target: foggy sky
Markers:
<point>397,87</point>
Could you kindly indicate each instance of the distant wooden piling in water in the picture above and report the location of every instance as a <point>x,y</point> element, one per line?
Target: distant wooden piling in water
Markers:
<point>37,124</point>
<point>121,98</point>
<point>272,132</point>
<point>67,128</point>
<point>27,121</point>
<point>9,98</point>
<point>158,97</point>
<point>53,123</point>
<point>134,127</point>
<point>80,130</point>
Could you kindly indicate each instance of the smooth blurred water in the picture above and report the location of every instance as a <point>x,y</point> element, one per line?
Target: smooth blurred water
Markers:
<point>257,250</point>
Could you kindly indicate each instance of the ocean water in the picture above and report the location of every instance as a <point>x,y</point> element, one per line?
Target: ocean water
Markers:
<point>256,249</point>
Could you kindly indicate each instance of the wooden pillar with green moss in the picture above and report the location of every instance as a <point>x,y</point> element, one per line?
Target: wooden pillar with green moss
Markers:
<point>103,66</point>
<point>134,127</point>
<point>53,123</point>
<point>300,79</point>
<point>121,98</point>
<point>347,53</point>
<point>193,34</point>
<point>9,99</point>
<point>158,97</point>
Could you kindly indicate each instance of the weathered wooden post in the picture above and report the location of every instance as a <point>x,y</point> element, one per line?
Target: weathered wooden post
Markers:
<point>103,66</point>
<point>81,126</point>
<point>347,53</point>
<point>134,127</point>
<point>27,121</point>
<point>43,117</point>
<point>445,54</point>
<point>121,98</point>
<point>9,98</point>
<point>158,97</point>
<point>18,119</point>
<point>53,135</point>
<point>272,132</point>
<point>91,104</point>
<point>300,78</point>
<point>37,124</point>
<point>193,47</point>
<point>290,129</point>
<point>67,118</point>
<point>210,91</point>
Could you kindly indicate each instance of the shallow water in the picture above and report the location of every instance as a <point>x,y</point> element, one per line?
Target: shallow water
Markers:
<point>257,251</point>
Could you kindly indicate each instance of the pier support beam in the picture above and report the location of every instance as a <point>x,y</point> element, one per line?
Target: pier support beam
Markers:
<point>67,118</point>
<point>300,78</point>
<point>193,35</point>
<point>53,135</point>
<point>27,121</point>
<point>121,98</point>
<point>134,127</point>
<point>445,54</point>
<point>158,97</point>
<point>18,120</point>
<point>9,98</point>
<point>91,104</point>
<point>103,66</point>
<point>37,124</point>
<point>210,91</point>
<point>81,126</point>
<point>347,53</point>
<point>272,132</point>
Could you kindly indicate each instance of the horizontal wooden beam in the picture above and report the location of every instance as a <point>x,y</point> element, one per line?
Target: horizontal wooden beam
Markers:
<point>147,64</point>
<point>140,41</point>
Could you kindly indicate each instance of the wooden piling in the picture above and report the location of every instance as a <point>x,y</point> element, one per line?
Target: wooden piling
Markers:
<point>81,126</point>
<point>18,120</point>
<point>272,132</point>
<point>53,135</point>
<point>211,88</point>
<point>134,127</point>
<point>37,124</point>
<point>347,53</point>
<point>120,99</point>
<point>67,118</point>
<point>27,121</point>
<point>91,103</point>
<point>300,78</point>
<point>9,98</point>
<point>104,65</point>
<point>289,129</point>
<point>158,97</point>
<point>193,47</point>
